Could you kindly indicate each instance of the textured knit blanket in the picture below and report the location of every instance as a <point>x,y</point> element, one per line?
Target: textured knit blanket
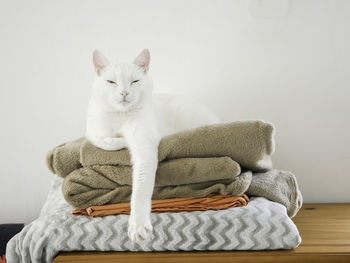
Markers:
<point>260,225</point>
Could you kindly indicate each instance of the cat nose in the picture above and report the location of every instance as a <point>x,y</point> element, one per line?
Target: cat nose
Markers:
<point>124,93</point>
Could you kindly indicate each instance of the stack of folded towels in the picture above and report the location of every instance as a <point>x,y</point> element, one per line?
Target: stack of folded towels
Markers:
<point>203,181</point>
<point>216,162</point>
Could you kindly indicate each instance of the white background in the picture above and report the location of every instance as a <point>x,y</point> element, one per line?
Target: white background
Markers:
<point>287,62</point>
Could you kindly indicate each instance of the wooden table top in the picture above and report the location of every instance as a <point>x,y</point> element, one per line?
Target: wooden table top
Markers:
<point>324,229</point>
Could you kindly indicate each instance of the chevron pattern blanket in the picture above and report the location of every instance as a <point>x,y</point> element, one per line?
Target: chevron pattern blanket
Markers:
<point>262,224</point>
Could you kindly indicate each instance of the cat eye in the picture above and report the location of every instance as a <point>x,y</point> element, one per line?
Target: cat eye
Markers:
<point>111,81</point>
<point>135,81</point>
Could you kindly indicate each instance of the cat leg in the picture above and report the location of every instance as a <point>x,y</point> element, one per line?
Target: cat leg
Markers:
<point>143,146</point>
<point>108,143</point>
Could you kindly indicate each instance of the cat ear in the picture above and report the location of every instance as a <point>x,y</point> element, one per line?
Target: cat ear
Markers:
<point>143,60</point>
<point>100,61</point>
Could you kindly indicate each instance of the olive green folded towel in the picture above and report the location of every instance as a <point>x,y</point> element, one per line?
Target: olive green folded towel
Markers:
<point>100,185</point>
<point>249,143</point>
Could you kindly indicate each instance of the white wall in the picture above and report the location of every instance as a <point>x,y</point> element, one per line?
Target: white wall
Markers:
<point>287,62</point>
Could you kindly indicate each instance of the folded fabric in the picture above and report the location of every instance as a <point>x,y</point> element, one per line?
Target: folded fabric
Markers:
<point>278,186</point>
<point>260,225</point>
<point>193,163</point>
<point>100,185</point>
<point>91,186</point>
<point>211,202</point>
<point>250,143</point>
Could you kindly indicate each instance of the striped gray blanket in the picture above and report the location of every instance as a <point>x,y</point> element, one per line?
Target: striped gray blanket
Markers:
<point>260,225</point>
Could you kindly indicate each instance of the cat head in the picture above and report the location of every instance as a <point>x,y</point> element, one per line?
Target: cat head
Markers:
<point>121,87</point>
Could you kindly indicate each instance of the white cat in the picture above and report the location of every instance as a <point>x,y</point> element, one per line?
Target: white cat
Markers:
<point>123,113</point>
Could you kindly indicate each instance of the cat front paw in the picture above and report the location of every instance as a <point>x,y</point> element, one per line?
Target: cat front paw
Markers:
<point>139,229</point>
<point>113,144</point>
<point>107,143</point>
